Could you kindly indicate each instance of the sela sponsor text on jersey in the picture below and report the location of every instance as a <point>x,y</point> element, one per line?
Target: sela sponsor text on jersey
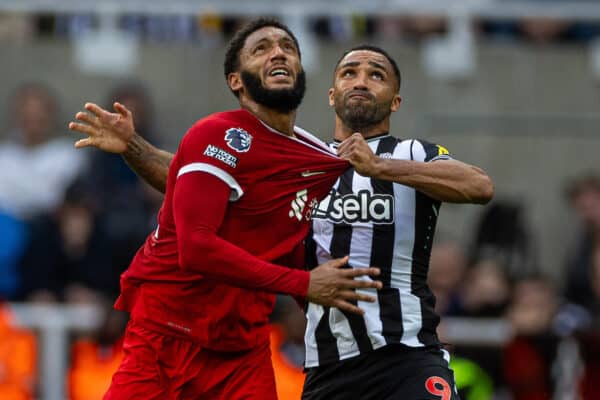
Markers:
<point>362,206</point>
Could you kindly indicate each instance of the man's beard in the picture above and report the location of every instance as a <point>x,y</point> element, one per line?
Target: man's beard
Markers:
<point>281,100</point>
<point>361,115</point>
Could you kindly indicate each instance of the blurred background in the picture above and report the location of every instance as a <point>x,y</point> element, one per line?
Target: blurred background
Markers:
<point>512,86</point>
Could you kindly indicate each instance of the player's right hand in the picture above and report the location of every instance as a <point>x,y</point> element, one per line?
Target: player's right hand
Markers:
<point>333,286</point>
<point>110,132</point>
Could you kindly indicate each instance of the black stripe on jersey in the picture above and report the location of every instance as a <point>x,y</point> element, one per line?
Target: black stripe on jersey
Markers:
<point>342,232</point>
<point>426,210</point>
<point>382,246</point>
<point>382,255</point>
<point>326,343</point>
<point>310,250</point>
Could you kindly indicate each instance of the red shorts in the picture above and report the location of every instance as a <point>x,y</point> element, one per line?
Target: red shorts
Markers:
<point>162,367</point>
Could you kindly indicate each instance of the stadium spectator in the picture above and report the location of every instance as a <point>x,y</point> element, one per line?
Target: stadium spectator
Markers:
<point>472,382</point>
<point>583,194</point>
<point>503,234</point>
<point>485,291</point>
<point>529,357</point>
<point>126,209</point>
<point>36,167</point>
<point>287,348</point>
<point>447,268</point>
<point>95,358</point>
<point>68,257</point>
<point>18,359</point>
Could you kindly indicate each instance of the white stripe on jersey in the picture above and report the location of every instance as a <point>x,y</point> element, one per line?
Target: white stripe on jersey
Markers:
<point>236,191</point>
<point>405,239</point>
<point>314,313</point>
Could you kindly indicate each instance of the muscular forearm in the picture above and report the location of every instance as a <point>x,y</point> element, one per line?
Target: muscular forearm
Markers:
<point>148,162</point>
<point>444,180</point>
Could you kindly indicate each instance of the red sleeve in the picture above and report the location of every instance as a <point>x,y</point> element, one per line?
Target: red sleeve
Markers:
<point>198,217</point>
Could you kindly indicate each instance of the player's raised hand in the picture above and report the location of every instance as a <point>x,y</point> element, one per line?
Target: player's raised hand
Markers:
<point>108,131</point>
<point>357,152</point>
<point>333,286</point>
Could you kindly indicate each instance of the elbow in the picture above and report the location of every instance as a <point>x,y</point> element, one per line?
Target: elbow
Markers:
<point>186,260</point>
<point>193,255</point>
<point>485,191</point>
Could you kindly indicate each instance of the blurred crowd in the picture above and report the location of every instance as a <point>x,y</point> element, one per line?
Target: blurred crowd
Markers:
<point>71,221</point>
<point>212,30</point>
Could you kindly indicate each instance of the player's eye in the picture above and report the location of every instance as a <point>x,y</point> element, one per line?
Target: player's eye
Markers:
<point>377,75</point>
<point>260,48</point>
<point>348,73</point>
<point>288,46</point>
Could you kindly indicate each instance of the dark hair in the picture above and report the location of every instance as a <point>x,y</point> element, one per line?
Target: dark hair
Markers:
<point>232,56</point>
<point>576,186</point>
<point>374,49</point>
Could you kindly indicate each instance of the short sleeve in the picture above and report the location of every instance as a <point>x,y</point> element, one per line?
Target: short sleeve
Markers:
<point>421,150</point>
<point>216,147</point>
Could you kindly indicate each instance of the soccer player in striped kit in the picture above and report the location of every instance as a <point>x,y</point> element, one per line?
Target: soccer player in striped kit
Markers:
<point>382,212</point>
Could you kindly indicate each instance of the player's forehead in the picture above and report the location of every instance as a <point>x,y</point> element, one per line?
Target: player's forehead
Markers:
<point>365,58</point>
<point>267,33</point>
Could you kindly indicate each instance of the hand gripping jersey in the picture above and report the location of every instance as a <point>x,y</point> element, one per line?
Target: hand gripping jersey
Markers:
<point>223,298</point>
<point>381,224</point>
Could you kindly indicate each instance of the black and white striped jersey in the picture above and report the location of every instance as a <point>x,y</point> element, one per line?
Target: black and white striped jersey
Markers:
<point>381,224</point>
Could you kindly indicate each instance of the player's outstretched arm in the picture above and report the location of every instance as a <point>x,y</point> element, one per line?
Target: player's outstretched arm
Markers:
<point>199,216</point>
<point>334,286</point>
<point>115,133</point>
<point>448,180</point>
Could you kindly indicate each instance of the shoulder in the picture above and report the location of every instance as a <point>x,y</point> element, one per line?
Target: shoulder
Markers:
<point>423,150</point>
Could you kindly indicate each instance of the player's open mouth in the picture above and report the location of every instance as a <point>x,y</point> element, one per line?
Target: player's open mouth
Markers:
<point>279,72</point>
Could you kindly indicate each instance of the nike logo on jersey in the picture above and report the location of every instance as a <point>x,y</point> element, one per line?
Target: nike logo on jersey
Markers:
<point>306,174</point>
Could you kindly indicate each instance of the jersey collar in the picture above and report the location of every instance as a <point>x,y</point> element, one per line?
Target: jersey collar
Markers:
<point>371,139</point>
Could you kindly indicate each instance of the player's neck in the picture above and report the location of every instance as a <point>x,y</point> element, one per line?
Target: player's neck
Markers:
<point>343,131</point>
<point>282,122</point>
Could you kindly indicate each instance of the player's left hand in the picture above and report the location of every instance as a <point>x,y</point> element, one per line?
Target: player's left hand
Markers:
<point>356,150</point>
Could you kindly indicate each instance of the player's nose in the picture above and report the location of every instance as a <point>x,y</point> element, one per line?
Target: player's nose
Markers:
<point>360,82</point>
<point>278,53</point>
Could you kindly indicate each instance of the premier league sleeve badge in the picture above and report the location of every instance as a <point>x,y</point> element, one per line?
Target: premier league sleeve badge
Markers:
<point>238,139</point>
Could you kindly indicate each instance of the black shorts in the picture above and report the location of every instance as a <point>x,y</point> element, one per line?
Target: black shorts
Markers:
<point>393,372</point>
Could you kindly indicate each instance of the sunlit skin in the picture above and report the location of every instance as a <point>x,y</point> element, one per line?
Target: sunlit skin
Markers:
<point>266,50</point>
<point>364,80</point>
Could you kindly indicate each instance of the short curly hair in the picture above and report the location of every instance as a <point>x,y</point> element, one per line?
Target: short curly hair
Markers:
<point>232,56</point>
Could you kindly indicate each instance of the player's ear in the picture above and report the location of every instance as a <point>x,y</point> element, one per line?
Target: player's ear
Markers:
<point>395,103</point>
<point>331,102</point>
<point>234,80</point>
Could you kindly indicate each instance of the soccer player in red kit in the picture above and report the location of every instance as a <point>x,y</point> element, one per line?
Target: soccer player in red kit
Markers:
<point>239,194</point>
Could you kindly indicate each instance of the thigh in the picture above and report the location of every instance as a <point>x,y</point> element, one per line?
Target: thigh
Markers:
<point>386,374</point>
<point>430,379</point>
<point>232,376</point>
<point>139,375</point>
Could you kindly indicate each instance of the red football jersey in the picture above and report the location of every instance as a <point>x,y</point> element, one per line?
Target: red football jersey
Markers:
<point>223,297</point>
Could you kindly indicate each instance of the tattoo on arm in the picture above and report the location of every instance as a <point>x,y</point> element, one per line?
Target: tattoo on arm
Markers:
<point>150,163</point>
